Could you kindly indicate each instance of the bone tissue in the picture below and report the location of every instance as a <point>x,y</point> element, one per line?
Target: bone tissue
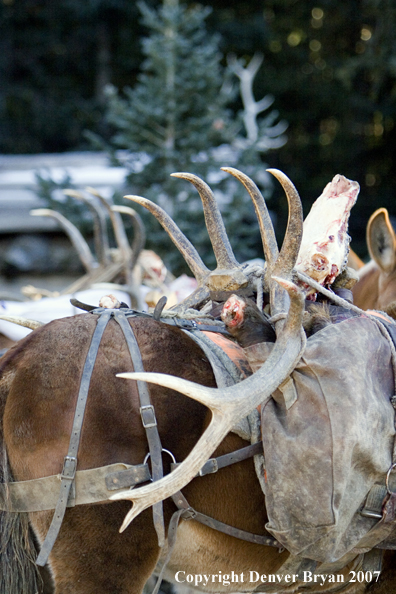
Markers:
<point>325,243</point>
<point>109,302</point>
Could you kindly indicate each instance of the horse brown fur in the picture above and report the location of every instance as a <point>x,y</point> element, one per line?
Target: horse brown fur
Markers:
<point>376,288</point>
<point>38,392</point>
<point>37,423</point>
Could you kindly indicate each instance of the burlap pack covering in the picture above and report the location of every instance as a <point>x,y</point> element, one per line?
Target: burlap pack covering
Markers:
<point>328,438</point>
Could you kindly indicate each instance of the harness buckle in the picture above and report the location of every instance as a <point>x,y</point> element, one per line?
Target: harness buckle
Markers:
<point>189,514</point>
<point>148,416</point>
<point>210,467</point>
<point>173,463</point>
<point>69,468</point>
<point>186,324</point>
<point>393,467</point>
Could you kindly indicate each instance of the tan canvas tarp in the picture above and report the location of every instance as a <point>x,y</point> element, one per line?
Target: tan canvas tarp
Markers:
<point>328,438</point>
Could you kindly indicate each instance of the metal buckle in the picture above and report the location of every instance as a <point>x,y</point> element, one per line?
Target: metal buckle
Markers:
<point>69,468</point>
<point>148,416</point>
<point>189,514</point>
<point>393,467</point>
<point>371,514</point>
<point>163,450</point>
<point>186,324</point>
<point>210,467</point>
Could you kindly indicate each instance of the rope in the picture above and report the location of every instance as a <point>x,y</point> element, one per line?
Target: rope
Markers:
<point>337,299</point>
<point>280,316</point>
<point>256,275</point>
<point>191,314</point>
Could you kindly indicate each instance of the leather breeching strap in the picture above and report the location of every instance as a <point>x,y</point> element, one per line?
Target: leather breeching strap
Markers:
<point>70,461</point>
<point>148,419</point>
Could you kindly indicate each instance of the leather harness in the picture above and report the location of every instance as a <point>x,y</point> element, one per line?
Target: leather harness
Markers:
<point>96,485</point>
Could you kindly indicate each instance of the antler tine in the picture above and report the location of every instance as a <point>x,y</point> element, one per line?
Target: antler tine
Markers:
<point>227,405</point>
<point>118,227</point>
<point>139,236</point>
<point>195,300</point>
<point>101,237</point>
<point>25,322</point>
<point>214,223</point>
<point>267,232</point>
<point>292,241</point>
<point>185,247</point>
<point>74,235</point>
<point>291,245</point>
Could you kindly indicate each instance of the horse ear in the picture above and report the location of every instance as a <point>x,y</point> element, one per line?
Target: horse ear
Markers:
<point>381,240</point>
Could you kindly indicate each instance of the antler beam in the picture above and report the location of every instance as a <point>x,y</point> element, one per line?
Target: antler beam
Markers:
<point>227,405</point>
<point>74,234</point>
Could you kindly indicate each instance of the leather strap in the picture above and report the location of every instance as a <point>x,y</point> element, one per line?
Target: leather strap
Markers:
<point>70,461</point>
<point>148,419</point>
<point>185,324</point>
<point>215,464</point>
<point>268,541</point>
<point>186,512</point>
<point>95,485</point>
<point>172,532</point>
<point>156,315</point>
<point>150,424</point>
<point>191,514</point>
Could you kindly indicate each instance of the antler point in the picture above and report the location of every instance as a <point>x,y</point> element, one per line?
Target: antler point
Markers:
<point>134,197</point>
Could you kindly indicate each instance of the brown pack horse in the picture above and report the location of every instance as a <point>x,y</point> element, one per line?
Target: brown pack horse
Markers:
<point>38,392</point>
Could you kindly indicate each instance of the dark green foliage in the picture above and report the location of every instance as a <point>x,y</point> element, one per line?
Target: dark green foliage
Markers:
<point>176,119</point>
<point>55,59</point>
<point>174,112</point>
<point>330,65</point>
<point>51,192</point>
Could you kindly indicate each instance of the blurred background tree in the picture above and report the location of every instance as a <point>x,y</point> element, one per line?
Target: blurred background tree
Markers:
<point>330,66</point>
<point>176,118</point>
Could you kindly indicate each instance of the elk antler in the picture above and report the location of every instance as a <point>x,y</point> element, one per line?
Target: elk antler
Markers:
<point>25,322</point>
<point>227,405</point>
<point>118,227</point>
<point>251,107</point>
<point>214,222</point>
<point>185,247</point>
<point>229,275</point>
<point>74,234</point>
<point>139,236</point>
<point>277,264</point>
<point>127,257</point>
<point>268,238</point>
<point>101,238</point>
<point>230,404</point>
<point>293,236</point>
<point>290,247</point>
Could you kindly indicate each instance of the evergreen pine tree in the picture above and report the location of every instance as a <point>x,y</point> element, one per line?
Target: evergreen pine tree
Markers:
<point>176,119</point>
